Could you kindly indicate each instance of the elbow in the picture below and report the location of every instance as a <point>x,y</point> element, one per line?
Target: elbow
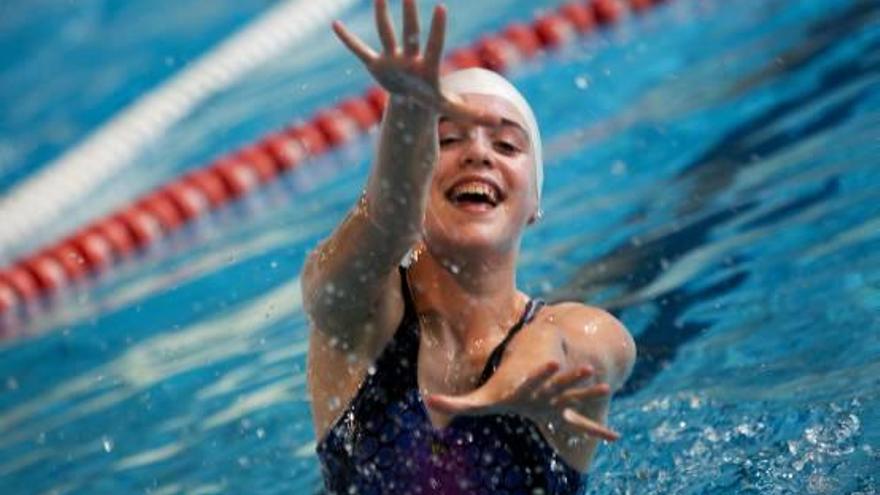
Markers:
<point>621,351</point>
<point>309,284</point>
<point>623,356</point>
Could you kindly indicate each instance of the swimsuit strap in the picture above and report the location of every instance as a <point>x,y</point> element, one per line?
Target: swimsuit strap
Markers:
<point>408,304</point>
<point>532,308</point>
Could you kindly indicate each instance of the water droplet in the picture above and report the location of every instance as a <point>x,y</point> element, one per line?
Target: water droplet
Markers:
<point>273,264</point>
<point>107,442</point>
<point>261,433</point>
<point>582,82</point>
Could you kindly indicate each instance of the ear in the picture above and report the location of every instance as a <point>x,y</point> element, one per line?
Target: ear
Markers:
<point>536,216</point>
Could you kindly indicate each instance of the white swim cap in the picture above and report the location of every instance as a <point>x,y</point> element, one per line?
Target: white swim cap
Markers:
<point>485,82</point>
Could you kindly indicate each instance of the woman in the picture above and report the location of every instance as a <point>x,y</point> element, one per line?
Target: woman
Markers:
<point>441,376</point>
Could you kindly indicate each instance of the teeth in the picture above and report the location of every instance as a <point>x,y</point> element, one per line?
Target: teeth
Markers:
<point>476,188</point>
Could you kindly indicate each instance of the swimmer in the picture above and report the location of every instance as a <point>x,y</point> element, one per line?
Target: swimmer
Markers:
<point>428,370</point>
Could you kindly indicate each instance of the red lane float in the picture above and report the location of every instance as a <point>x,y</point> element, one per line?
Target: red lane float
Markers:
<point>608,11</point>
<point>463,58</point>
<point>144,228</point>
<point>524,38</point>
<point>498,53</point>
<point>96,249</point>
<point>8,297</point>
<point>189,201</point>
<point>377,98</point>
<point>155,215</point>
<point>72,260</point>
<point>210,185</point>
<point>47,271</point>
<point>363,113</point>
<point>23,282</point>
<point>640,5</point>
<point>554,30</point>
<point>580,15</point>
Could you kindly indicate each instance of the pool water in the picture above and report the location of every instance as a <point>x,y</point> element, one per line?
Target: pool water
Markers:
<point>712,178</point>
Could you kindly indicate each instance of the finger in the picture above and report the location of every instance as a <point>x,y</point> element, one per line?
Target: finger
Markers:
<point>540,375</point>
<point>588,426</point>
<point>456,405</point>
<point>358,47</point>
<point>565,380</point>
<point>436,37</point>
<point>385,27</point>
<point>577,395</point>
<point>410,28</point>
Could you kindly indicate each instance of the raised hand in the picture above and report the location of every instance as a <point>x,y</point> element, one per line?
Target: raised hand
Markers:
<point>544,393</point>
<point>410,72</point>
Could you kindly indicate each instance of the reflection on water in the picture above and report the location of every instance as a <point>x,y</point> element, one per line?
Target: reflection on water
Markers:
<point>719,196</point>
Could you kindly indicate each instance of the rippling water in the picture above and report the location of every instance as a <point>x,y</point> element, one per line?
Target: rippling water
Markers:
<point>712,178</point>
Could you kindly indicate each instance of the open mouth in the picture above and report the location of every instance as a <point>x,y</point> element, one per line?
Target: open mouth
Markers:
<point>474,195</point>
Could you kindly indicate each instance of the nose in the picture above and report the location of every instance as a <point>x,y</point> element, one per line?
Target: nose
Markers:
<point>478,151</point>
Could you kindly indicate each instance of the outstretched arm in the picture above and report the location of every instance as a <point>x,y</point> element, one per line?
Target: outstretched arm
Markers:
<point>347,279</point>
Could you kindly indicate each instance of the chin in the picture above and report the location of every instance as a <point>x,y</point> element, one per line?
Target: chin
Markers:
<point>471,239</point>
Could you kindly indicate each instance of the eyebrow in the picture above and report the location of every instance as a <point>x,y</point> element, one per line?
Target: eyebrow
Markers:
<point>513,123</point>
<point>504,123</point>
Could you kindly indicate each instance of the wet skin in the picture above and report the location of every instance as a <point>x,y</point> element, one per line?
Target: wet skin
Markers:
<point>559,371</point>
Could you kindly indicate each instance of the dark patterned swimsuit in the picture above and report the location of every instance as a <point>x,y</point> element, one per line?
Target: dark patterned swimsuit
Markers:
<point>384,442</point>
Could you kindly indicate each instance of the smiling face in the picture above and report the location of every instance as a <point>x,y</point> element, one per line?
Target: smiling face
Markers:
<point>483,192</point>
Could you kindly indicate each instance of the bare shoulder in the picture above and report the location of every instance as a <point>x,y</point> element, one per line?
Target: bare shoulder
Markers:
<point>595,336</point>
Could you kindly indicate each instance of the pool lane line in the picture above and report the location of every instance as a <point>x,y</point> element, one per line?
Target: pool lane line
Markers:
<point>68,179</point>
<point>157,214</point>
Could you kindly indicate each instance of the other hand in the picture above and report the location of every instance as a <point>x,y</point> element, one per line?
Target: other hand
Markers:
<point>544,394</point>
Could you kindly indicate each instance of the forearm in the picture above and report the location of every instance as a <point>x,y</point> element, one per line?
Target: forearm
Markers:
<point>397,190</point>
<point>365,248</point>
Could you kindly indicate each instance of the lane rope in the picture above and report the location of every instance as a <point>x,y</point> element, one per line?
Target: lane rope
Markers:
<point>43,198</point>
<point>146,220</point>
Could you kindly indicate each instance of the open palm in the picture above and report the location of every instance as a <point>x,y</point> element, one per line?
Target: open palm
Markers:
<point>544,392</point>
<point>409,72</point>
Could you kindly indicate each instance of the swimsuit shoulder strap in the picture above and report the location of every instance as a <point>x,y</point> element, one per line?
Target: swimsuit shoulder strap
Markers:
<point>408,303</point>
<point>408,331</point>
<point>532,308</point>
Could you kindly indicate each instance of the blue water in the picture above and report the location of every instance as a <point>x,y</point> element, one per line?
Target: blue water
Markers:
<point>712,177</point>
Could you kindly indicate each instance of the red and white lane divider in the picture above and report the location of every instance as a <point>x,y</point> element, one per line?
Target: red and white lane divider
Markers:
<point>109,240</point>
<point>68,180</point>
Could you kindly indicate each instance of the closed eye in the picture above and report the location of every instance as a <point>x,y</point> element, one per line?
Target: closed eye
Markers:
<point>506,147</point>
<point>447,140</point>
